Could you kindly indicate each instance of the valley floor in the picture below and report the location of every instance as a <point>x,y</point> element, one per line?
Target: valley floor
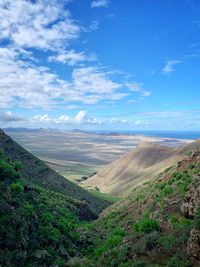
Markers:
<point>75,154</point>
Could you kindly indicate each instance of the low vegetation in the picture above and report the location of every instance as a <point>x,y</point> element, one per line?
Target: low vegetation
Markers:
<point>158,224</point>
<point>37,226</point>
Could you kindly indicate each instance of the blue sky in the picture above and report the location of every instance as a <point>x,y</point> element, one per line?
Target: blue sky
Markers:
<point>100,64</point>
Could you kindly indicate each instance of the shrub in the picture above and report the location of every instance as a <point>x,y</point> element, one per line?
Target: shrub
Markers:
<point>146,225</point>
<point>181,223</point>
<point>191,165</point>
<point>16,188</point>
<point>176,261</point>
<point>2,154</point>
<point>17,165</point>
<point>113,240</point>
<point>167,190</point>
<point>29,208</point>
<point>168,169</point>
<point>51,233</point>
<point>167,242</point>
<point>182,186</point>
<point>7,171</point>
<point>66,225</point>
<point>47,218</point>
<point>151,240</point>
<point>177,175</point>
<point>161,185</point>
<point>197,219</point>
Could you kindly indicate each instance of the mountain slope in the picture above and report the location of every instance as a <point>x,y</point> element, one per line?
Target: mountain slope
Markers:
<point>137,167</point>
<point>36,172</point>
<point>37,226</point>
<point>158,224</point>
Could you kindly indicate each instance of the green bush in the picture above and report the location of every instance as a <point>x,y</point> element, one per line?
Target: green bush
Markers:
<point>161,185</point>
<point>180,223</point>
<point>177,175</point>
<point>176,261</point>
<point>182,185</point>
<point>29,208</point>
<point>2,155</point>
<point>17,165</point>
<point>7,171</point>
<point>113,240</point>
<point>197,219</point>
<point>167,242</point>
<point>151,240</point>
<point>191,166</point>
<point>167,190</point>
<point>16,188</point>
<point>146,225</point>
<point>47,218</point>
<point>51,234</point>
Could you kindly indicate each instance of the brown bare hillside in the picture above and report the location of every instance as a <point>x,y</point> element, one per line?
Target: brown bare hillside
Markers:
<point>137,167</point>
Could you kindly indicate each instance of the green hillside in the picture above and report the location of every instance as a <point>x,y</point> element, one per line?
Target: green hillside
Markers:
<point>158,224</point>
<point>37,172</point>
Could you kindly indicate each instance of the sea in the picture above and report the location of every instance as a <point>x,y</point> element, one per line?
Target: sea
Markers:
<point>193,135</point>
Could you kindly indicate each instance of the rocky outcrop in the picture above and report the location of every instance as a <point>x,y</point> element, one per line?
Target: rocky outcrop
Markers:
<point>193,245</point>
<point>191,202</point>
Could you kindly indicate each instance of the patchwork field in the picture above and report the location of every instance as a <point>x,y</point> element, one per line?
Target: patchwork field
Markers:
<point>75,154</point>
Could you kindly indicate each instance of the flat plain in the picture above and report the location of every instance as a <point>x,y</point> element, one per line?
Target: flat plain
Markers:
<point>75,154</point>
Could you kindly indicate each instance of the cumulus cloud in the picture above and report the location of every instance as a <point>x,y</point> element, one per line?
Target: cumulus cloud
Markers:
<point>99,3</point>
<point>46,26</point>
<point>129,122</point>
<point>24,85</point>
<point>80,118</point>
<point>169,67</point>
<point>71,57</point>
<point>43,24</point>
<point>8,116</point>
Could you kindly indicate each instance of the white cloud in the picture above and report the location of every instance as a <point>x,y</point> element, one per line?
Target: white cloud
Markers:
<point>70,57</point>
<point>169,67</point>
<point>8,116</point>
<point>94,25</point>
<point>80,118</point>
<point>129,122</point>
<point>138,87</point>
<point>93,80</point>
<point>70,107</point>
<point>24,85</point>
<point>99,3</point>
<point>118,121</point>
<point>38,24</point>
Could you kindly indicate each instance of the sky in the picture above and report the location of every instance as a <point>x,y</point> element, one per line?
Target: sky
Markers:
<point>100,64</point>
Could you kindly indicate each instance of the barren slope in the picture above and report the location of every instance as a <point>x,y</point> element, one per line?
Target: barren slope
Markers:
<point>137,167</point>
